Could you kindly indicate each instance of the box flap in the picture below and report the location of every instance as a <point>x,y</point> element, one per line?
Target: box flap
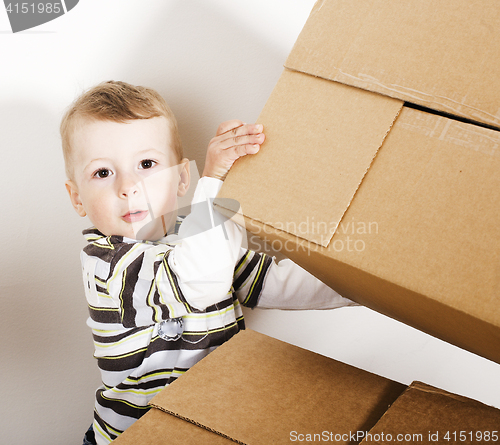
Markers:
<point>256,389</point>
<point>424,414</point>
<point>157,427</point>
<point>442,55</point>
<point>321,138</point>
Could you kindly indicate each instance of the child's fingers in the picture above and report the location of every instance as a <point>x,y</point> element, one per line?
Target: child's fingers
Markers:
<point>228,126</point>
<point>233,130</point>
<point>239,140</point>
<point>234,140</point>
<point>243,150</point>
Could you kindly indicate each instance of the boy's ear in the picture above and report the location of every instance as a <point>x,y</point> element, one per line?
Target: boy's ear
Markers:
<point>184,177</point>
<point>75,197</point>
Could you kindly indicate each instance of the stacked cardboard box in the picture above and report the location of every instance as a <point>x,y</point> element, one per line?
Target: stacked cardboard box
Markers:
<point>378,174</point>
<point>257,390</point>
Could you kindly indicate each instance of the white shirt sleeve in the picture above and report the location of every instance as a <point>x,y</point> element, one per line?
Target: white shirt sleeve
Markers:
<point>262,282</point>
<point>289,286</point>
<point>206,249</point>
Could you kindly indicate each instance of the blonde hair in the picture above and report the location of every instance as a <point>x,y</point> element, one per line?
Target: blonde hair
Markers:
<point>118,102</point>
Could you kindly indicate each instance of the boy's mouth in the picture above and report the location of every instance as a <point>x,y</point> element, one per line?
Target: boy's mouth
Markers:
<point>135,215</point>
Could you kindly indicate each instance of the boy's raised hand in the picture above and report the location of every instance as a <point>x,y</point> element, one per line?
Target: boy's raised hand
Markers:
<point>233,140</point>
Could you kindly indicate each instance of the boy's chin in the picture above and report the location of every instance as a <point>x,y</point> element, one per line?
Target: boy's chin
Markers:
<point>152,230</point>
<point>148,232</point>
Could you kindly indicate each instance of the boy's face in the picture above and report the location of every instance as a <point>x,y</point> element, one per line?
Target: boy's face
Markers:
<point>127,177</point>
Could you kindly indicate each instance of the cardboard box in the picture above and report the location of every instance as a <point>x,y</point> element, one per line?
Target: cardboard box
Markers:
<point>393,206</point>
<point>441,55</point>
<point>424,414</point>
<point>258,390</point>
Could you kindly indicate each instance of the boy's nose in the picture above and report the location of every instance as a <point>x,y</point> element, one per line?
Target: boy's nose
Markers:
<point>129,187</point>
<point>130,192</point>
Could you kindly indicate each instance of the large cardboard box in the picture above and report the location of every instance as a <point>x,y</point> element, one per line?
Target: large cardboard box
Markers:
<point>394,205</point>
<point>258,390</point>
<point>425,414</point>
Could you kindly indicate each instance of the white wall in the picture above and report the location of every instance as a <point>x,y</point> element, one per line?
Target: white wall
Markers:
<point>213,60</point>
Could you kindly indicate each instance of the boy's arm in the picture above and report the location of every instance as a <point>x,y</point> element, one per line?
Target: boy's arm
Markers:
<point>204,262</point>
<point>262,282</point>
<point>259,279</point>
<point>203,259</point>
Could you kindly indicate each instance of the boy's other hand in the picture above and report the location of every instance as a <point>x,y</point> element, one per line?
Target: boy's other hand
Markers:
<point>233,140</point>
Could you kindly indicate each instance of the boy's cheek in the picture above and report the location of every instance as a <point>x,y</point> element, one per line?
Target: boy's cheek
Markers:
<point>161,177</point>
<point>94,208</point>
<point>160,187</point>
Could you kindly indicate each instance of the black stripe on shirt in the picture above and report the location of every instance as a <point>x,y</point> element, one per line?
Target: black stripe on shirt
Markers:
<point>115,257</point>
<point>144,386</point>
<point>165,314</point>
<point>157,304</point>
<point>174,284</point>
<point>119,406</point>
<point>116,338</point>
<point>219,306</point>
<point>105,315</point>
<point>242,260</point>
<point>160,378</point>
<point>245,273</point>
<point>104,426</point>
<point>129,280</point>
<point>258,282</point>
<point>131,360</point>
<point>241,323</point>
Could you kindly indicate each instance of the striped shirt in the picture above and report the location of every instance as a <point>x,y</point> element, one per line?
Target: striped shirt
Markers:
<point>153,315</point>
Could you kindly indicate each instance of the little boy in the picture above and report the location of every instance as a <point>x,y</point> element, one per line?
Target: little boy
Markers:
<point>162,291</point>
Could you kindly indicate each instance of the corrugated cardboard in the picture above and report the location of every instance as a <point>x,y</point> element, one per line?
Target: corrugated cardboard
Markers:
<point>412,233</point>
<point>442,55</point>
<point>157,427</point>
<point>258,390</point>
<point>424,414</point>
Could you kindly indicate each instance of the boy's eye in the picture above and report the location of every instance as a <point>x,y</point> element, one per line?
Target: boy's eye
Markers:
<point>102,173</point>
<point>147,163</point>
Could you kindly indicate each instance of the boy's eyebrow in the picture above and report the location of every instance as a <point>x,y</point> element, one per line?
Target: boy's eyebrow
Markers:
<point>95,160</point>
<point>146,150</point>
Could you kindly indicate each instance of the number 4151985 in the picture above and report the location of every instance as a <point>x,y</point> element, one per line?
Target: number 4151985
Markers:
<point>34,8</point>
<point>471,436</point>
